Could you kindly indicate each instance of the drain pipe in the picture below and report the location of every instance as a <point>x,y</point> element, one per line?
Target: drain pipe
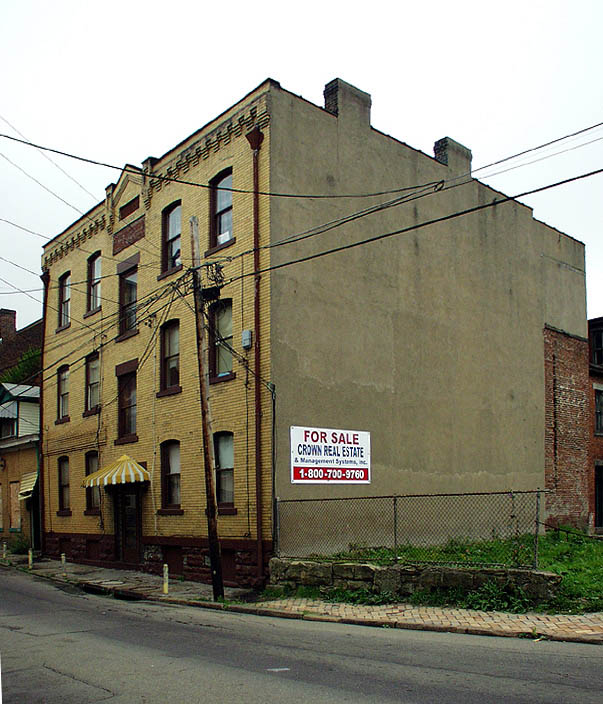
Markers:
<point>255,139</point>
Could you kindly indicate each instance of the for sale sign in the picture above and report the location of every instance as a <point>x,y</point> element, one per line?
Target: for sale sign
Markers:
<point>327,456</point>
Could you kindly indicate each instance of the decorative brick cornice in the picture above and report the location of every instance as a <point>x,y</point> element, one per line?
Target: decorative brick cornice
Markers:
<point>73,241</point>
<point>210,143</point>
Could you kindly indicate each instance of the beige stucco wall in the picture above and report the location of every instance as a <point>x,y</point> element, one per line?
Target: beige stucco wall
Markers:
<point>431,340</point>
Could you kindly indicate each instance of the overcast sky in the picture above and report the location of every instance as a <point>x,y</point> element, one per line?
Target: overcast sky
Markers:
<point>119,81</point>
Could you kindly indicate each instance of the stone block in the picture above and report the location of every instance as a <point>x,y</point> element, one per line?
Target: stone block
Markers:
<point>350,570</point>
<point>387,579</point>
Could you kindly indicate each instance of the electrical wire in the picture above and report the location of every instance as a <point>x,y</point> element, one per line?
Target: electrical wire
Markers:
<point>418,226</point>
<point>54,163</point>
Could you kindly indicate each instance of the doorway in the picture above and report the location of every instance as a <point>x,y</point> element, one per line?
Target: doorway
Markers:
<point>128,524</point>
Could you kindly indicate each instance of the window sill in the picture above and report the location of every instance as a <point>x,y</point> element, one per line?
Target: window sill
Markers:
<point>220,247</point>
<point>170,512</point>
<point>169,272</point>
<point>92,412</point>
<point>92,512</point>
<point>89,313</point>
<point>171,391</point>
<point>126,439</point>
<point>64,512</point>
<point>14,530</point>
<point>60,421</point>
<point>126,335</point>
<point>223,377</point>
<point>63,327</point>
<point>227,510</point>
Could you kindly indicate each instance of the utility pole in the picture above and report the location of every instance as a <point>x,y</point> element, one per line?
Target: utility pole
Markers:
<point>210,493</point>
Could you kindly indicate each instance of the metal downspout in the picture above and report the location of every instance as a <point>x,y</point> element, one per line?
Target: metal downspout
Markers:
<point>255,139</point>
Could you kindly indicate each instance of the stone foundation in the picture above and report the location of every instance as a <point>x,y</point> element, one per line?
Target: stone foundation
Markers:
<point>402,580</point>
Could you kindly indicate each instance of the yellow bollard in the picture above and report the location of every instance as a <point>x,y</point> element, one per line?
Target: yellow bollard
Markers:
<point>165,579</point>
<point>4,550</point>
<point>63,564</point>
<point>30,559</point>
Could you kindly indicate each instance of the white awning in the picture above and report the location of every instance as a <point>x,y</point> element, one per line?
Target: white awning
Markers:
<point>124,471</point>
<point>28,484</point>
<point>9,410</point>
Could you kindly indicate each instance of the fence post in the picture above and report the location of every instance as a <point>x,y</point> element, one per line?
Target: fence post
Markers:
<point>277,550</point>
<point>536,530</point>
<point>396,528</point>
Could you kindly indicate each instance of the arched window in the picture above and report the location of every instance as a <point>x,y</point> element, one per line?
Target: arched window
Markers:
<point>92,493</point>
<point>63,483</point>
<point>171,257</point>
<point>220,204</point>
<point>220,340</point>
<point>63,394</point>
<point>94,283</point>
<point>224,459</point>
<point>170,474</point>
<point>170,356</point>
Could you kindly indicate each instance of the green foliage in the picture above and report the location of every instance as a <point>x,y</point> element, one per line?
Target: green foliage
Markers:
<point>18,544</point>
<point>359,596</point>
<point>578,558</point>
<point>491,596</point>
<point>25,370</point>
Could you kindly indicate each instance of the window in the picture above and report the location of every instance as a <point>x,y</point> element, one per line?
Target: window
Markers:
<point>597,347</point>
<point>170,474</point>
<point>171,235</point>
<point>224,454</point>
<point>63,484</point>
<point>92,383</point>
<point>14,507</point>
<point>130,207</point>
<point>8,428</point>
<point>64,300</point>
<point>599,411</point>
<point>63,394</point>
<point>128,285</point>
<point>170,357</point>
<point>221,209</point>
<point>94,283</point>
<point>93,492</point>
<point>220,342</point>
<point>126,396</point>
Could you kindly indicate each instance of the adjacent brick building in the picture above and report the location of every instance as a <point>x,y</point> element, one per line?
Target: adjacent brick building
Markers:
<point>595,337</point>
<point>457,343</point>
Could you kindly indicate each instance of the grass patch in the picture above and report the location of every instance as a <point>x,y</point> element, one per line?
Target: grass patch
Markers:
<point>578,558</point>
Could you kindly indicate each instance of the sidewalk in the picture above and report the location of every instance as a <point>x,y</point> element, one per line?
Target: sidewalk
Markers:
<point>126,584</point>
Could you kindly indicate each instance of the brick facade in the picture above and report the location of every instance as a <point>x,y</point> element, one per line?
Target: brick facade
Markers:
<point>567,422</point>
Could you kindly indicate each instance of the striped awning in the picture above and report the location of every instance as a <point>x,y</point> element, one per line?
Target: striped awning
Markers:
<point>27,485</point>
<point>123,471</point>
<point>8,410</point>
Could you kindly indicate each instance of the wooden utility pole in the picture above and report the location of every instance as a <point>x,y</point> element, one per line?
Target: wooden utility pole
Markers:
<point>210,492</point>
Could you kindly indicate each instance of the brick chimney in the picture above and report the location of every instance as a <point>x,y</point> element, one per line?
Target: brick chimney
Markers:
<point>8,324</point>
<point>347,102</point>
<point>454,155</point>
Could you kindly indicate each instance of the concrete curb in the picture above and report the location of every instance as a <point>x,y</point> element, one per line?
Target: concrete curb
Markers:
<point>129,594</point>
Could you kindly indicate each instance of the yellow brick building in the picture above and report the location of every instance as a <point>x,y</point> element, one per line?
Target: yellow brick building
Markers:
<point>352,296</point>
<point>120,360</point>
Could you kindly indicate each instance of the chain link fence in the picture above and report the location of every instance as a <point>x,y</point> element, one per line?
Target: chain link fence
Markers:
<point>489,529</point>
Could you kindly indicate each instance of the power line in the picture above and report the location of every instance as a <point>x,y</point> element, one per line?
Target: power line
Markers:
<point>48,190</point>
<point>173,179</point>
<point>43,153</point>
<point>382,236</point>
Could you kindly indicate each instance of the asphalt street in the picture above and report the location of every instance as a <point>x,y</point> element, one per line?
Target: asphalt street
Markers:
<point>60,645</point>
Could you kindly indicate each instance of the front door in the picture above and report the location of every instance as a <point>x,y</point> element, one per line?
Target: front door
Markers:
<point>128,527</point>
